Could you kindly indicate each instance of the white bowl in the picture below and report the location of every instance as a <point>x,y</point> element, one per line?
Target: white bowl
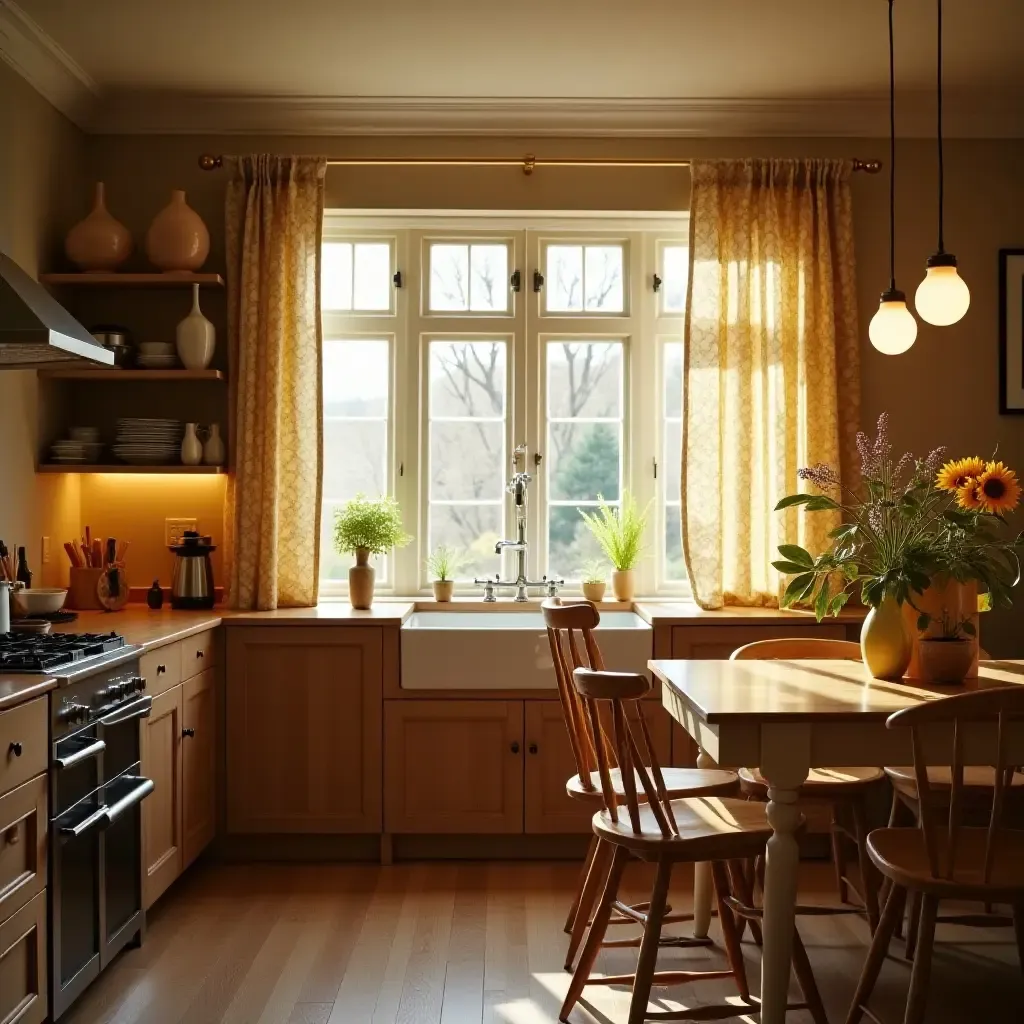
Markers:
<point>38,600</point>
<point>87,434</point>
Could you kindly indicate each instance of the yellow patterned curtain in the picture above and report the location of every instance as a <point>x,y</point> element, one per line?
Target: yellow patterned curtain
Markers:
<point>274,214</point>
<point>771,372</point>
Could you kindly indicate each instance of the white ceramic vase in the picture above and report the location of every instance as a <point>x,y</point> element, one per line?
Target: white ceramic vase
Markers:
<point>100,242</point>
<point>196,337</point>
<point>191,446</point>
<point>213,451</point>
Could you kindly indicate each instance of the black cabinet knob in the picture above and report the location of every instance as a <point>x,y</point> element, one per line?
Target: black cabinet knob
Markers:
<point>533,748</point>
<point>200,654</point>
<point>515,747</point>
<point>188,733</point>
<point>15,748</point>
<point>161,669</point>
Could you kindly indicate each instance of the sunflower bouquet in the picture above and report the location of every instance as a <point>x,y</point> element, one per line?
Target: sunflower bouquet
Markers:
<point>911,520</point>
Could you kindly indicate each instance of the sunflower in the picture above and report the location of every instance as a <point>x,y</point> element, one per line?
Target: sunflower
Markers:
<point>955,474</point>
<point>968,496</point>
<point>998,489</point>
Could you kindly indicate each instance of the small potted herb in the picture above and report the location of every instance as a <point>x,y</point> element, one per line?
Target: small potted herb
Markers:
<point>442,564</point>
<point>620,532</point>
<point>947,653</point>
<point>367,526</point>
<point>593,583</point>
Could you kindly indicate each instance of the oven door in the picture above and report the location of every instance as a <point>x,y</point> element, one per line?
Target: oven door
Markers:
<point>119,731</point>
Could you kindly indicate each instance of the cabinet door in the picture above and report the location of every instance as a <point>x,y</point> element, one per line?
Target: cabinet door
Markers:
<point>453,766</point>
<point>161,810</point>
<point>549,764</point>
<point>198,763</point>
<point>304,729</point>
<point>23,964</point>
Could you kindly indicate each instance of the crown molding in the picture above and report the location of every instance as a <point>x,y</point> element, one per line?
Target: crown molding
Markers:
<point>45,65</point>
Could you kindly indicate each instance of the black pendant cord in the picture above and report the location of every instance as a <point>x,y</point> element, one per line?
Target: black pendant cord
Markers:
<point>892,157</point>
<point>942,244</point>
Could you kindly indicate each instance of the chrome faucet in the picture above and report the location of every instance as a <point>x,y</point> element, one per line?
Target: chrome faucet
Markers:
<point>517,487</point>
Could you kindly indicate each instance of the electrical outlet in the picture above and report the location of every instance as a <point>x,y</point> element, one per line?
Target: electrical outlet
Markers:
<point>174,530</point>
<point>46,551</point>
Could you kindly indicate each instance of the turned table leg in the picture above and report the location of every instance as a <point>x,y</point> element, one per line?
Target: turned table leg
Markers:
<point>703,884</point>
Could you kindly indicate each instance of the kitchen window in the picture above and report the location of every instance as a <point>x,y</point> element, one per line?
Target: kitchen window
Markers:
<point>451,339</point>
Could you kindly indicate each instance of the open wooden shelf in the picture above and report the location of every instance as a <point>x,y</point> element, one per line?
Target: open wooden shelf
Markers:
<point>116,373</point>
<point>120,467</point>
<point>155,280</point>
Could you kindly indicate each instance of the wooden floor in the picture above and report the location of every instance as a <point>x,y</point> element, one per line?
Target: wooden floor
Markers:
<point>461,944</point>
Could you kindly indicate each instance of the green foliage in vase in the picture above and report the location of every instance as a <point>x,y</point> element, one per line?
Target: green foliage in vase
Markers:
<point>619,531</point>
<point>444,562</point>
<point>594,572</point>
<point>371,523</point>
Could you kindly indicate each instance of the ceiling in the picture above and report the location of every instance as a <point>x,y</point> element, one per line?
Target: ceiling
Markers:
<point>665,55</point>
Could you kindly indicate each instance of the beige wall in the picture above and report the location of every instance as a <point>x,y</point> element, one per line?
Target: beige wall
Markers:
<point>41,160</point>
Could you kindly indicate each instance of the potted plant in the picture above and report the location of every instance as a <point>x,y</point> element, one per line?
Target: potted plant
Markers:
<point>442,564</point>
<point>593,583</point>
<point>620,532</point>
<point>367,526</point>
<point>948,654</point>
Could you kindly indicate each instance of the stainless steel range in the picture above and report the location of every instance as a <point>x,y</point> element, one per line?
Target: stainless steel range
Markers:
<point>96,791</point>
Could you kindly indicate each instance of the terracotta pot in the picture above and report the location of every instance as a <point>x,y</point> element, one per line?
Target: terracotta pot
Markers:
<point>594,591</point>
<point>886,642</point>
<point>195,337</point>
<point>946,661</point>
<point>960,600</point>
<point>623,584</point>
<point>360,580</point>
<point>443,590</point>
<point>177,240</point>
<point>100,242</point>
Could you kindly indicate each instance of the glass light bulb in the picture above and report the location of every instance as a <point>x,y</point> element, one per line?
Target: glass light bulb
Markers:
<point>942,297</point>
<point>893,328</point>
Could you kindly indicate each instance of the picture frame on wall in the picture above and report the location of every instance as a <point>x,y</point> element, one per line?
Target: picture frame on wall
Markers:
<point>1011,331</point>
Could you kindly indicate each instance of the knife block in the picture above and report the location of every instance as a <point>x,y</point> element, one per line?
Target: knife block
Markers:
<point>82,595</point>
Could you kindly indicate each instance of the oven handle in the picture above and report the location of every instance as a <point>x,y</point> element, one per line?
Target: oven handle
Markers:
<point>95,820</point>
<point>137,709</point>
<point>142,790</point>
<point>94,748</point>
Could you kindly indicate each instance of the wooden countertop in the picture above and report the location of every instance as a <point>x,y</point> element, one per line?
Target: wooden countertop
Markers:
<point>18,688</point>
<point>689,614</point>
<point>798,691</point>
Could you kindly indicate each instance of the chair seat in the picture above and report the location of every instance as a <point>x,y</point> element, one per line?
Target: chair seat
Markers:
<point>678,781</point>
<point>900,854</point>
<point>821,784</point>
<point>710,828</point>
<point>983,778</point>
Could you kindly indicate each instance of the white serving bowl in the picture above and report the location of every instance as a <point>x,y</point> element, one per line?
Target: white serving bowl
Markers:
<point>38,600</point>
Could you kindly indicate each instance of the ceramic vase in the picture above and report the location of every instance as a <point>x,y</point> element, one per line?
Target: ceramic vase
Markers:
<point>443,590</point>
<point>594,591</point>
<point>195,337</point>
<point>623,584</point>
<point>191,446</point>
<point>214,452</point>
<point>946,661</point>
<point>886,642</point>
<point>100,242</point>
<point>177,240</point>
<point>360,580</point>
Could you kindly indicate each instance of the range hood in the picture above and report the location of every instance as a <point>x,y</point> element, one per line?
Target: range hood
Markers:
<point>35,330</point>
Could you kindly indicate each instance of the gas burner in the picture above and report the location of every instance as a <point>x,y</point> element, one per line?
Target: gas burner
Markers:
<point>45,652</point>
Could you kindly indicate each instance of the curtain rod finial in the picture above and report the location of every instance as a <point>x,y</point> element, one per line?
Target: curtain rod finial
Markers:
<point>209,162</point>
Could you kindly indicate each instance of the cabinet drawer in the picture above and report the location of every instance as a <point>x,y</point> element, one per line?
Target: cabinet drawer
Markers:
<point>23,819</point>
<point>161,668</point>
<point>23,964</point>
<point>22,744</point>
<point>199,653</point>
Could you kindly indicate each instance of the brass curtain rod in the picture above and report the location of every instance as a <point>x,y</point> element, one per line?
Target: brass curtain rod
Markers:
<point>528,164</point>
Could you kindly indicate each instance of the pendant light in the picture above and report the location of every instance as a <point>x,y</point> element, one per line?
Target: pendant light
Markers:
<point>893,328</point>
<point>942,297</point>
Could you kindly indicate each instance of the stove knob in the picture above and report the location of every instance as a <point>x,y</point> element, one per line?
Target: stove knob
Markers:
<point>138,684</point>
<point>74,713</point>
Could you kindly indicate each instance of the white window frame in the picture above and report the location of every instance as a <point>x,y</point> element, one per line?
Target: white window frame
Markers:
<point>584,241</point>
<point>642,328</point>
<point>468,240</point>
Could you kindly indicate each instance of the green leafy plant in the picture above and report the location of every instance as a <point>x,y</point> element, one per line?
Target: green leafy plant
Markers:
<point>594,572</point>
<point>444,562</point>
<point>370,524</point>
<point>619,531</point>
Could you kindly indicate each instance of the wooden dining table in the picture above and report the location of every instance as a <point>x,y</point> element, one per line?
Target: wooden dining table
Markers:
<point>787,717</point>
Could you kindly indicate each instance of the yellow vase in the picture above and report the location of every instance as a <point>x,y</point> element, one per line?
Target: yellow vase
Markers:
<point>886,643</point>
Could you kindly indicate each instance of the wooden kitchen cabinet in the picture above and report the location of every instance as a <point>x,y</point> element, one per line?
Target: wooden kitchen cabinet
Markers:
<point>161,811</point>
<point>549,763</point>
<point>304,708</point>
<point>453,766</point>
<point>198,764</point>
<point>23,994</point>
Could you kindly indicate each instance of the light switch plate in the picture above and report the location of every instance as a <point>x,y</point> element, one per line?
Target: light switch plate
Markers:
<point>174,529</point>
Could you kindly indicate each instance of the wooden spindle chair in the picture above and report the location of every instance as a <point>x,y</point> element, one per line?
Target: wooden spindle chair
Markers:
<point>845,791</point>
<point>982,864</point>
<point>570,630</point>
<point>641,821</point>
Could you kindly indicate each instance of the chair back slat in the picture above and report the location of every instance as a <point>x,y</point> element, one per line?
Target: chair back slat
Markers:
<point>999,706</point>
<point>620,730</point>
<point>611,802</point>
<point>656,772</point>
<point>575,725</point>
<point>797,648</point>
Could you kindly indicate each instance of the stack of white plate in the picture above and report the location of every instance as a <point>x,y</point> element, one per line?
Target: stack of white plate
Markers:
<point>157,355</point>
<point>76,452</point>
<point>148,442</point>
